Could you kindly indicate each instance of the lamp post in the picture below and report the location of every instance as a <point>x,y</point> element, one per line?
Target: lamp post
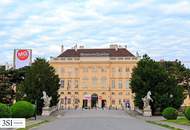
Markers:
<point>171,98</point>
<point>35,114</point>
<point>65,101</point>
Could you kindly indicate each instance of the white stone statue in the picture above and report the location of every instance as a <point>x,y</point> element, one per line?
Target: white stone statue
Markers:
<point>146,100</point>
<point>46,99</point>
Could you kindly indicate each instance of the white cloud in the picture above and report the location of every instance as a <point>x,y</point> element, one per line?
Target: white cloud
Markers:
<point>6,2</point>
<point>96,23</point>
<point>182,7</point>
<point>139,4</point>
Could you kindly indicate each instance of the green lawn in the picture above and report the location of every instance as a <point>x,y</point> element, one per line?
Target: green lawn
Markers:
<point>180,121</point>
<point>163,125</point>
<point>34,125</point>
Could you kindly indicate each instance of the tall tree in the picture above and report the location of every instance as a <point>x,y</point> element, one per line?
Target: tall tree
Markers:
<point>6,92</point>
<point>180,72</point>
<point>41,77</point>
<point>151,76</point>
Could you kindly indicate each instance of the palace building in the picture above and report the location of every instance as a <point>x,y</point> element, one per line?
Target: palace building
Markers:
<point>97,77</point>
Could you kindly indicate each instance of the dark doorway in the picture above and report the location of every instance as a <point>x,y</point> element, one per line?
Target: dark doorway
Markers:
<point>103,103</point>
<point>94,100</point>
<point>85,104</point>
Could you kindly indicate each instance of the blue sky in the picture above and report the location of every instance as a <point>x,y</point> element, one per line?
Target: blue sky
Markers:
<point>160,28</point>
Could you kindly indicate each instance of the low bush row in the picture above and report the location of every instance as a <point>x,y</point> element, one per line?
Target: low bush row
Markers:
<point>21,109</point>
<point>171,113</point>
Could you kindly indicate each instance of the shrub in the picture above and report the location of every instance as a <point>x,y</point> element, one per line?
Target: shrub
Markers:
<point>187,113</point>
<point>170,113</point>
<point>4,111</point>
<point>22,109</point>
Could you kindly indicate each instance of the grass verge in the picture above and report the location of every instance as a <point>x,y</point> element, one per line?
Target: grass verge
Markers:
<point>180,121</point>
<point>34,125</point>
<point>163,125</point>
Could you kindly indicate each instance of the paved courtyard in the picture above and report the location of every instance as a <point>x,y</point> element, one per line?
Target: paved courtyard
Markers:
<point>98,120</point>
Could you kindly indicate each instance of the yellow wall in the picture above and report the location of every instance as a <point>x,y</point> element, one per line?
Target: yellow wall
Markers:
<point>186,101</point>
<point>85,71</point>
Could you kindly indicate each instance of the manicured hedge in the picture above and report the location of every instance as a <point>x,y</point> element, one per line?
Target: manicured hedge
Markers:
<point>4,111</point>
<point>22,109</point>
<point>170,113</point>
<point>187,113</point>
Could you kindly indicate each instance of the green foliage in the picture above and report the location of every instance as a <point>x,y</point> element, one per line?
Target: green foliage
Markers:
<point>170,113</point>
<point>40,77</point>
<point>175,69</point>
<point>179,72</point>
<point>187,113</point>
<point>5,87</point>
<point>7,79</point>
<point>4,111</point>
<point>151,76</point>
<point>22,109</point>
<point>17,75</point>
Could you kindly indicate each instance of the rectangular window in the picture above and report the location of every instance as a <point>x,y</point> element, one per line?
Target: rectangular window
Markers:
<point>127,93</point>
<point>113,83</point>
<point>76,101</point>
<point>62,101</point>
<point>103,81</point>
<point>94,69</point>
<point>120,69</point>
<point>120,84</point>
<point>69,74</point>
<point>62,70</point>
<point>127,84</point>
<point>76,84</point>
<point>69,84</point>
<point>120,93</point>
<point>127,69</point>
<point>113,71</point>
<point>69,101</point>
<point>76,69</point>
<point>62,83</point>
<point>113,102</point>
<point>103,69</point>
<point>58,70</point>
<point>94,81</point>
<point>119,101</point>
<point>85,69</point>
<point>85,82</point>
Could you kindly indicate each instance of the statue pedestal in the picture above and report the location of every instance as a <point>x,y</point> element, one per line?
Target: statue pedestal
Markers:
<point>46,111</point>
<point>147,111</point>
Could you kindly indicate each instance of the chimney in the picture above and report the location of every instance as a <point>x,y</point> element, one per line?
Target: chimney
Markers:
<point>137,54</point>
<point>75,47</point>
<point>126,47</point>
<point>62,48</point>
<point>81,47</point>
<point>116,47</point>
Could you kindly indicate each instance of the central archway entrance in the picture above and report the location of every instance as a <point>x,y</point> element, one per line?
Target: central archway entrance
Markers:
<point>94,100</point>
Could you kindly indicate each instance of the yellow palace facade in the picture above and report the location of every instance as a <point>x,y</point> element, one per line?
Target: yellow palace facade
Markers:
<point>97,78</point>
